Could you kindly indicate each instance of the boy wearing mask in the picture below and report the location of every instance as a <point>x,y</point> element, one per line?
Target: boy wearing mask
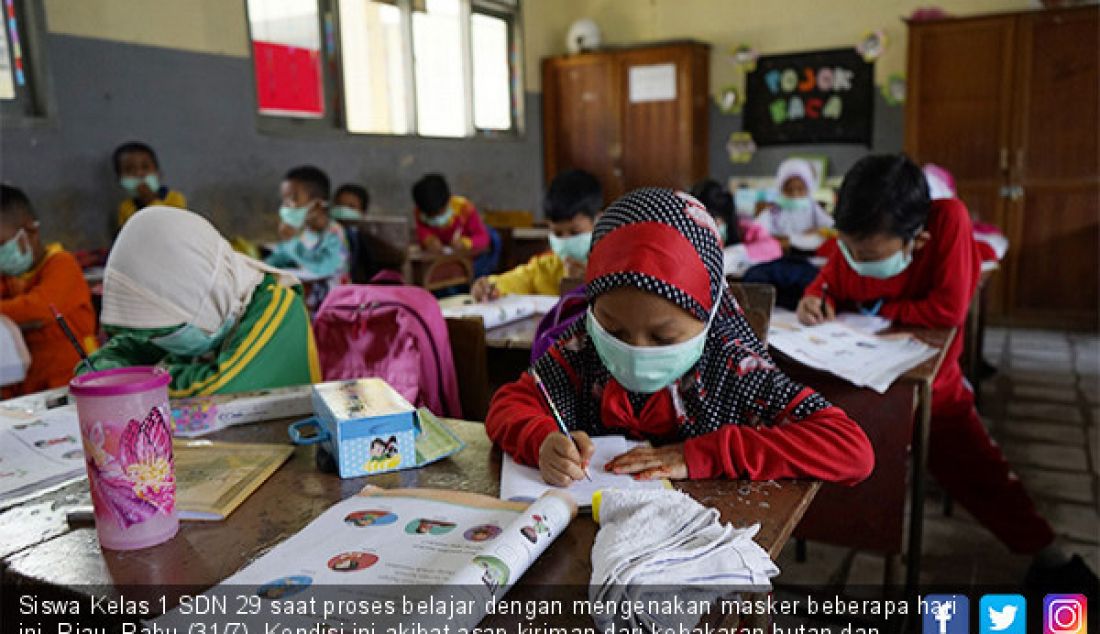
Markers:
<point>138,173</point>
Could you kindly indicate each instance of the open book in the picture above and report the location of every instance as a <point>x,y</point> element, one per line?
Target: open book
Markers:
<point>504,310</point>
<point>389,545</point>
<point>213,478</point>
<point>38,451</point>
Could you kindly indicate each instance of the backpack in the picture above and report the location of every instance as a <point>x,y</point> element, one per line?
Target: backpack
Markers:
<point>396,333</point>
<point>569,309</point>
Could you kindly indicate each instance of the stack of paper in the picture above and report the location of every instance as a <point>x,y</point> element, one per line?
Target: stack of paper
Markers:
<point>865,360</point>
<point>504,310</point>
<point>39,451</point>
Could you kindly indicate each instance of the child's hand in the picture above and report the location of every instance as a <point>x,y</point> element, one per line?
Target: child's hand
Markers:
<point>483,290</point>
<point>574,269</point>
<point>317,218</point>
<point>647,463</point>
<point>559,461</point>
<point>457,244</point>
<point>286,232</point>
<point>432,243</point>
<point>813,311</point>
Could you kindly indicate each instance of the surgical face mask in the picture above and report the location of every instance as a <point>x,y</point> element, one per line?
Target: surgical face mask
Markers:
<point>647,369</point>
<point>439,220</point>
<point>294,216</point>
<point>575,247</point>
<point>878,269</point>
<point>343,212</point>
<point>131,183</point>
<point>190,341</point>
<point>15,257</point>
<point>794,204</point>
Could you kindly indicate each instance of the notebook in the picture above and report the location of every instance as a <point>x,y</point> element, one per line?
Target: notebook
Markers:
<point>214,478</point>
<point>520,483</point>
<point>504,310</point>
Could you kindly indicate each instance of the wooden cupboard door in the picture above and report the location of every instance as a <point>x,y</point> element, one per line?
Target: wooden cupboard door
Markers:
<point>581,118</point>
<point>1054,228</point>
<point>664,139</point>
<point>958,112</point>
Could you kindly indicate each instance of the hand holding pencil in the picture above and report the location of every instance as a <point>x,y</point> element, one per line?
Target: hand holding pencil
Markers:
<point>563,457</point>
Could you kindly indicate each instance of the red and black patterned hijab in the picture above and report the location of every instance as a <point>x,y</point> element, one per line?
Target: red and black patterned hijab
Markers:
<point>665,242</point>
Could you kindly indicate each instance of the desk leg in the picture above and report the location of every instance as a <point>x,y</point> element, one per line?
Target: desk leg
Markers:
<point>920,466</point>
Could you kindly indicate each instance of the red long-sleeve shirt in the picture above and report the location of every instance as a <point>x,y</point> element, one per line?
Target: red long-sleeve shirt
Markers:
<point>826,445</point>
<point>465,221</point>
<point>933,292</point>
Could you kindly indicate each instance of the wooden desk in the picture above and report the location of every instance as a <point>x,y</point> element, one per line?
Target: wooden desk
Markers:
<point>417,261</point>
<point>516,335</point>
<point>40,549</point>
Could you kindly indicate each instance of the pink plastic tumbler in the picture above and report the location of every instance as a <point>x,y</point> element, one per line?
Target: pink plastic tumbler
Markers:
<point>125,422</point>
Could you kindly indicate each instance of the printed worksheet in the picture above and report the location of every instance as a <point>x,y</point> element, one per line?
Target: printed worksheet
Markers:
<point>504,310</point>
<point>39,450</point>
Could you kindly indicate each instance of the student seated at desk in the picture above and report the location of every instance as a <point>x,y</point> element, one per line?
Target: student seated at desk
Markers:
<point>350,202</point>
<point>796,212</point>
<point>571,205</point>
<point>33,277</point>
<point>746,242</point>
<point>175,293</point>
<point>664,353</point>
<point>914,261</point>
<point>138,173</point>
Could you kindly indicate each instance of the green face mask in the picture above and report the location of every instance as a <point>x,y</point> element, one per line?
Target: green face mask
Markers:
<point>15,257</point>
<point>294,216</point>
<point>878,269</point>
<point>575,247</point>
<point>343,212</point>
<point>131,183</point>
<point>190,341</point>
<point>440,219</point>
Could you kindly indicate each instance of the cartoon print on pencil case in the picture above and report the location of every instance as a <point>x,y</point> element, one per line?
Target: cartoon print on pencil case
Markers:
<point>137,482</point>
<point>429,527</point>
<point>384,455</point>
<point>50,442</point>
<point>539,527</point>
<point>352,561</point>
<point>284,587</point>
<point>482,533</point>
<point>373,517</point>
<point>494,572</point>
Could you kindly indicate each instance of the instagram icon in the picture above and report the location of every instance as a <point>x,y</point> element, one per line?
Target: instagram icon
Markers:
<point>1065,614</point>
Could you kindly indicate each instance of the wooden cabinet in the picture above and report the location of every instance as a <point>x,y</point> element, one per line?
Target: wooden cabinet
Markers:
<point>1009,104</point>
<point>658,138</point>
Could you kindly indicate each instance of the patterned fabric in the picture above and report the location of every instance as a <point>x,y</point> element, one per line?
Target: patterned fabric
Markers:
<point>666,243</point>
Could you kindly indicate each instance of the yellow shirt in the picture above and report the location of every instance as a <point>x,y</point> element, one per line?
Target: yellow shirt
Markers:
<point>541,275</point>
<point>128,207</point>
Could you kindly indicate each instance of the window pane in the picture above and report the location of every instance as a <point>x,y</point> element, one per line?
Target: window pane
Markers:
<point>286,54</point>
<point>492,77</point>
<point>372,52</point>
<point>7,74</point>
<point>438,68</point>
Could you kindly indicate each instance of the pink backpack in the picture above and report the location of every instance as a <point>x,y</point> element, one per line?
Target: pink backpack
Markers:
<point>396,333</point>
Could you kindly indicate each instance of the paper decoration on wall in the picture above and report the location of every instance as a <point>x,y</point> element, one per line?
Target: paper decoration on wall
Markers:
<point>745,56</point>
<point>893,91</point>
<point>872,45</point>
<point>729,100</point>
<point>741,147</point>
<point>812,97</point>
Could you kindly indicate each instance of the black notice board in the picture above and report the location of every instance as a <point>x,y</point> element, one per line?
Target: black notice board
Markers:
<point>813,97</point>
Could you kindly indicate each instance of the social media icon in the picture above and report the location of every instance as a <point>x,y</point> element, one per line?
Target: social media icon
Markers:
<point>945,614</point>
<point>1003,613</point>
<point>1065,614</point>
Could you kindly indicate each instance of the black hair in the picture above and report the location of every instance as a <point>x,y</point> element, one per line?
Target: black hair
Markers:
<point>358,191</point>
<point>883,194</point>
<point>128,147</point>
<point>719,202</point>
<point>14,204</point>
<point>431,193</point>
<point>315,180</point>
<point>571,193</point>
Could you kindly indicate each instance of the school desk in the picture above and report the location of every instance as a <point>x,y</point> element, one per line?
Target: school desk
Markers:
<point>418,260</point>
<point>870,516</point>
<point>41,551</point>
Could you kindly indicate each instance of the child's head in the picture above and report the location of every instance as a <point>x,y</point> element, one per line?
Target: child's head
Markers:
<point>136,163</point>
<point>304,189</point>
<point>880,214</point>
<point>572,203</point>
<point>719,202</point>
<point>20,244</point>
<point>350,202</point>
<point>796,178</point>
<point>431,194</point>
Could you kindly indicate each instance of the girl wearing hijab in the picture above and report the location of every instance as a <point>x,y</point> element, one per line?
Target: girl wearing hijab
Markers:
<point>175,293</point>
<point>795,212</point>
<point>665,354</point>
<point>746,241</point>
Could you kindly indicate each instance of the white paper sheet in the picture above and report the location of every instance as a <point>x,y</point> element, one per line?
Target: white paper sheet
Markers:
<point>39,451</point>
<point>654,82</point>
<point>504,310</point>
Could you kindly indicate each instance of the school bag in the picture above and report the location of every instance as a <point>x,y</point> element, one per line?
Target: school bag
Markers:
<point>396,333</point>
<point>569,309</point>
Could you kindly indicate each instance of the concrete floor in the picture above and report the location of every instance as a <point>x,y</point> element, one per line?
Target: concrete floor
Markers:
<point>1043,408</point>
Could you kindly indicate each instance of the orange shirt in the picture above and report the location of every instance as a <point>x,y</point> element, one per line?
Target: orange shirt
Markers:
<point>26,300</point>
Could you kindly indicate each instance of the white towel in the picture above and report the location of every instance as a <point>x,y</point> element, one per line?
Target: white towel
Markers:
<point>655,542</point>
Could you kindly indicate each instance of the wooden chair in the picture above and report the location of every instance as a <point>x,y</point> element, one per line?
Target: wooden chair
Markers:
<point>471,365</point>
<point>757,300</point>
<point>447,271</point>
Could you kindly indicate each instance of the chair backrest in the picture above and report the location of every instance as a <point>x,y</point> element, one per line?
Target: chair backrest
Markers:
<point>447,271</point>
<point>386,238</point>
<point>757,300</point>
<point>471,356</point>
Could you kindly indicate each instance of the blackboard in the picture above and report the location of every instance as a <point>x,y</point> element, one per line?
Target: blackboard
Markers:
<point>813,97</point>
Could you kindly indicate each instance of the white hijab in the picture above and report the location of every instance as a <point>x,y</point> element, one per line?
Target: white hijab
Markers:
<point>170,267</point>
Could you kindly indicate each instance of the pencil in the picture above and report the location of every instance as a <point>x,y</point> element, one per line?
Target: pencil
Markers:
<point>557,415</point>
<point>72,338</point>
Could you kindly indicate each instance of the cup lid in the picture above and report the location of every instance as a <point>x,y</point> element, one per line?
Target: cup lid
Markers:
<point>119,381</point>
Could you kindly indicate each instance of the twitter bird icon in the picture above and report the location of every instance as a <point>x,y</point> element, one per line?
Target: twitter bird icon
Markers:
<point>1003,613</point>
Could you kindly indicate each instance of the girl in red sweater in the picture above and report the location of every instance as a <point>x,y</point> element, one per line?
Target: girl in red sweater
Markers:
<point>664,353</point>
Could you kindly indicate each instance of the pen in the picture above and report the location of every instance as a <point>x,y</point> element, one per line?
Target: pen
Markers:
<point>557,416</point>
<point>72,338</point>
